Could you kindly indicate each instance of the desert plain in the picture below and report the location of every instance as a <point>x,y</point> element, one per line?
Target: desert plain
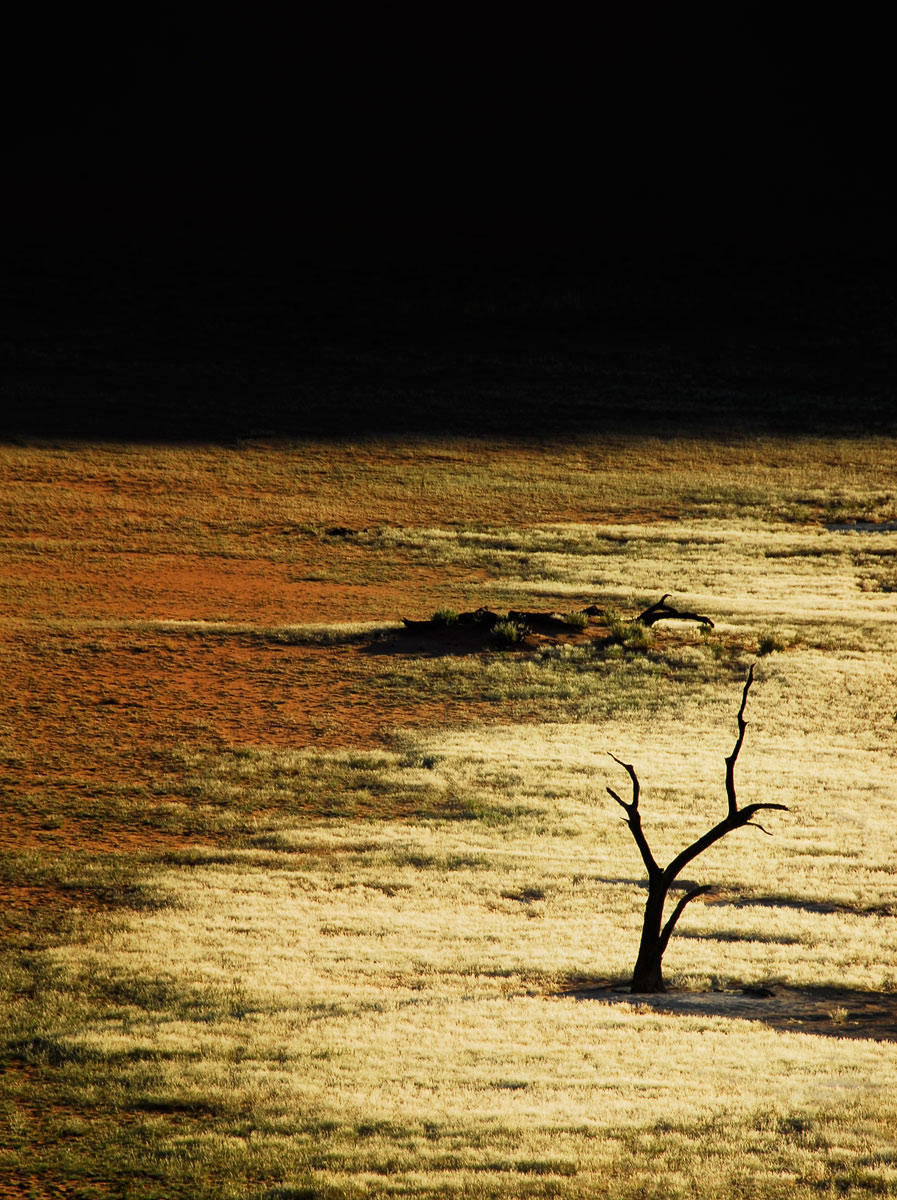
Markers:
<point>296,905</point>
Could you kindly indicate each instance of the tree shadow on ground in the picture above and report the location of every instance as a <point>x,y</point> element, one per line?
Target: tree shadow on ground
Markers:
<point>732,899</point>
<point>809,906</point>
<point>822,1011</point>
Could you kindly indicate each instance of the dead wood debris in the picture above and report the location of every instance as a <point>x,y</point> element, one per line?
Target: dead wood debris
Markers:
<point>661,611</point>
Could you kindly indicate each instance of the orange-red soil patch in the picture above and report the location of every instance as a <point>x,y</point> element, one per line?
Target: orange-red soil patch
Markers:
<point>196,588</point>
<point>97,713</point>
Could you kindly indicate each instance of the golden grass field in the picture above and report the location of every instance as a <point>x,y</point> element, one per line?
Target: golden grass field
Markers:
<point>294,908</point>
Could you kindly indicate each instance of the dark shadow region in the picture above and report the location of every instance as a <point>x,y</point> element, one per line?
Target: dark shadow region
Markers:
<point>525,350</point>
<point>822,1011</point>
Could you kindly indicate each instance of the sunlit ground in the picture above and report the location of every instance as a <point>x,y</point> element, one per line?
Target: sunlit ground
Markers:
<point>366,970</point>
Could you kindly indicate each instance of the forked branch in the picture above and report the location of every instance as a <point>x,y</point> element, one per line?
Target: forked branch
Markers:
<point>733,757</point>
<point>661,611</point>
<point>634,820</point>
<point>677,912</point>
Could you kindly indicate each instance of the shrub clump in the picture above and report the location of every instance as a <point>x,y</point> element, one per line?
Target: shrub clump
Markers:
<point>444,616</point>
<point>769,644</point>
<point>629,634</point>
<point>576,620</point>
<point>506,633</point>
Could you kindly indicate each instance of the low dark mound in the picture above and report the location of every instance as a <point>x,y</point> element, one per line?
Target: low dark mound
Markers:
<point>484,629</point>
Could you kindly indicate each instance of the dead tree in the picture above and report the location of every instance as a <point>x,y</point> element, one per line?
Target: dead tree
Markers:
<point>661,611</point>
<point>648,973</point>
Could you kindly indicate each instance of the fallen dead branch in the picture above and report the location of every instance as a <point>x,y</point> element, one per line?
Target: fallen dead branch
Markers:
<point>661,611</point>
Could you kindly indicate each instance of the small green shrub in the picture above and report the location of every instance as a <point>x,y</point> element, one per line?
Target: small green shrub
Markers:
<point>606,616</point>
<point>576,620</point>
<point>769,644</point>
<point>444,616</point>
<point>617,628</point>
<point>506,633</point>
<point>639,637</point>
<point>629,634</point>
<point>412,759</point>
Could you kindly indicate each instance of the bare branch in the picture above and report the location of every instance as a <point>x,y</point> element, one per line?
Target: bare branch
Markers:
<point>741,818</point>
<point>636,786</point>
<point>677,912</point>
<point>622,803</point>
<point>661,611</point>
<point>634,820</point>
<point>745,814</point>
<point>732,758</point>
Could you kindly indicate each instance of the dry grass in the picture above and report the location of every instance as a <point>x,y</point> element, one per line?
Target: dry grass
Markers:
<point>347,972</point>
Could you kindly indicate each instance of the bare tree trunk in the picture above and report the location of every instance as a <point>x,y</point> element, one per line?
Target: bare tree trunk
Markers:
<point>648,973</point>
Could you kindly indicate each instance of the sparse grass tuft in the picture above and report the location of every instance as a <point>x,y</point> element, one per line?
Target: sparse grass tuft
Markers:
<point>505,634</point>
<point>630,634</point>
<point>769,643</point>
